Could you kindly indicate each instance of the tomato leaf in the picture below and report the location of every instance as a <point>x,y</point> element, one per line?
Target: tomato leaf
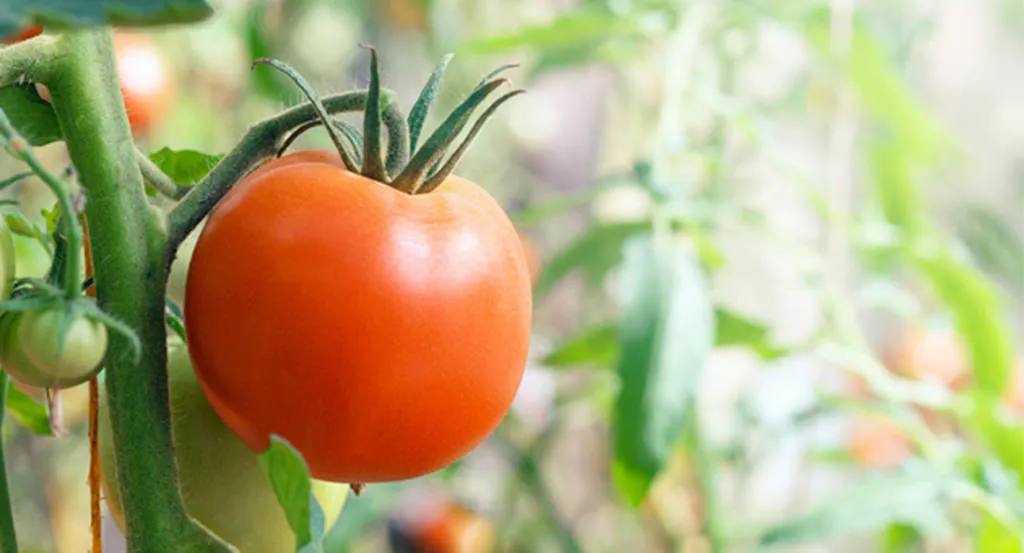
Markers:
<point>993,537</point>
<point>29,413</point>
<point>574,29</point>
<point>32,116</point>
<point>916,497</point>
<point>270,84</point>
<point>1003,435</point>
<point>735,330</point>
<point>901,538</point>
<point>184,166</point>
<point>289,477</point>
<point>126,13</point>
<point>595,253</point>
<point>599,345</point>
<point>979,316</point>
<point>594,346</point>
<point>666,332</point>
<point>994,243</point>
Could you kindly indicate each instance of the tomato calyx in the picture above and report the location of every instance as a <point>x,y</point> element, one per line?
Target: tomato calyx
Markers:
<point>362,152</point>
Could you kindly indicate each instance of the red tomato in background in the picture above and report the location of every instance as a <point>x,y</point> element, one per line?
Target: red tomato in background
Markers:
<point>383,334</point>
<point>146,82</point>
<point>24,34</point>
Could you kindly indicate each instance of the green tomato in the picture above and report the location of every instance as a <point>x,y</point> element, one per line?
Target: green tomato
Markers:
<point>7,268</point>
<point>223,484</point>
<point>13,357</point>
<point>85,345</point>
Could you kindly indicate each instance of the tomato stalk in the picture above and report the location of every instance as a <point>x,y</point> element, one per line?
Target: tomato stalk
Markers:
<point>128,240</point>
<point>260,142</point>
<point>8,537</point>
<point>28,61</point>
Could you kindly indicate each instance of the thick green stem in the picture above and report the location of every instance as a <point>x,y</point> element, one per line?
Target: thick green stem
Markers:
<point>28,61</point>
<point>127,243</point>
<point>8,538</point>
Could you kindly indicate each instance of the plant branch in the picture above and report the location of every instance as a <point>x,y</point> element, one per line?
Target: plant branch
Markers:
<point>28,61</point>
<point>69,220</point>
<point>8,537</point>
<point>706,483</point>
<point>128,242</point>
<point>260,142</point>
<point>158,179</point>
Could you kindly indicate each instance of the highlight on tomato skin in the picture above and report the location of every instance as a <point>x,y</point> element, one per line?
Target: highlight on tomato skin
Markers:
<point>407,317</point>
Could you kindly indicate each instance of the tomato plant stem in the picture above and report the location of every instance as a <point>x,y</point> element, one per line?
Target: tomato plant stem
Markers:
<point>8,538</point>
<point>27,61</point>
<point>530,474</point>
<point>158,179</point>
<point>260,142</point>
<point>128,241</point>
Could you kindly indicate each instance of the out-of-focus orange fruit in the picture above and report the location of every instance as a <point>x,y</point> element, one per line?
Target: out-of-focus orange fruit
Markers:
<point>877,442</point>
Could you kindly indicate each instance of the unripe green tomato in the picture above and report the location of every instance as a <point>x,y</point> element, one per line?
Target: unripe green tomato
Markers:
<point>224,486</point>
<point>13,358</point>
<point>85,345</point>
<point>7,268</point>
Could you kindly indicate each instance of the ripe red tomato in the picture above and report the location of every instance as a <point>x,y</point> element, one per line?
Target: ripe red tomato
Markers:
<point>444,527</point>
<point>145,80</point>
<point>24,34</point>
<point>383,334</point>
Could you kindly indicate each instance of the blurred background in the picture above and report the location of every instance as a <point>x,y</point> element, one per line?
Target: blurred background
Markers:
<point>840,184</point>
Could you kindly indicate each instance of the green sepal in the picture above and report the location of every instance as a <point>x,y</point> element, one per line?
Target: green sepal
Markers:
<point>438,177</point>
<point>420,109</point>
<point>434,148</point>
<point>352,135</point>
<point>317,105</point>
<point>373,163</point>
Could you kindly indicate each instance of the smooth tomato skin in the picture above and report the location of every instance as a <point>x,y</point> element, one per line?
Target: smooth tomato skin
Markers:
<point>85,345</point>
<point>145,80</point>
<point>384,335</point>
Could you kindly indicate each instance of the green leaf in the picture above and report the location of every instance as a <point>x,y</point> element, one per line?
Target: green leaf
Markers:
<point>733,329</point>
<point>420,109</point>
<point>917,498</point>
<point>883,87</point>
<point>129,13</point>
<point>979,316</point>
<point>595,253</point>
<point>901,538</point>
<point>896,186</point>
<point>271,85</point>
<point>289,477</point>
<point>1001,433</point>
<point>573,29</point>
<point>599,345</point>
<point>30,115</point>
<point>993,537</point>
<point>594,346</point>
<point>30,414</point>
<point>666,332</point>
<point>184,166</point>
<point>994,243</point>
